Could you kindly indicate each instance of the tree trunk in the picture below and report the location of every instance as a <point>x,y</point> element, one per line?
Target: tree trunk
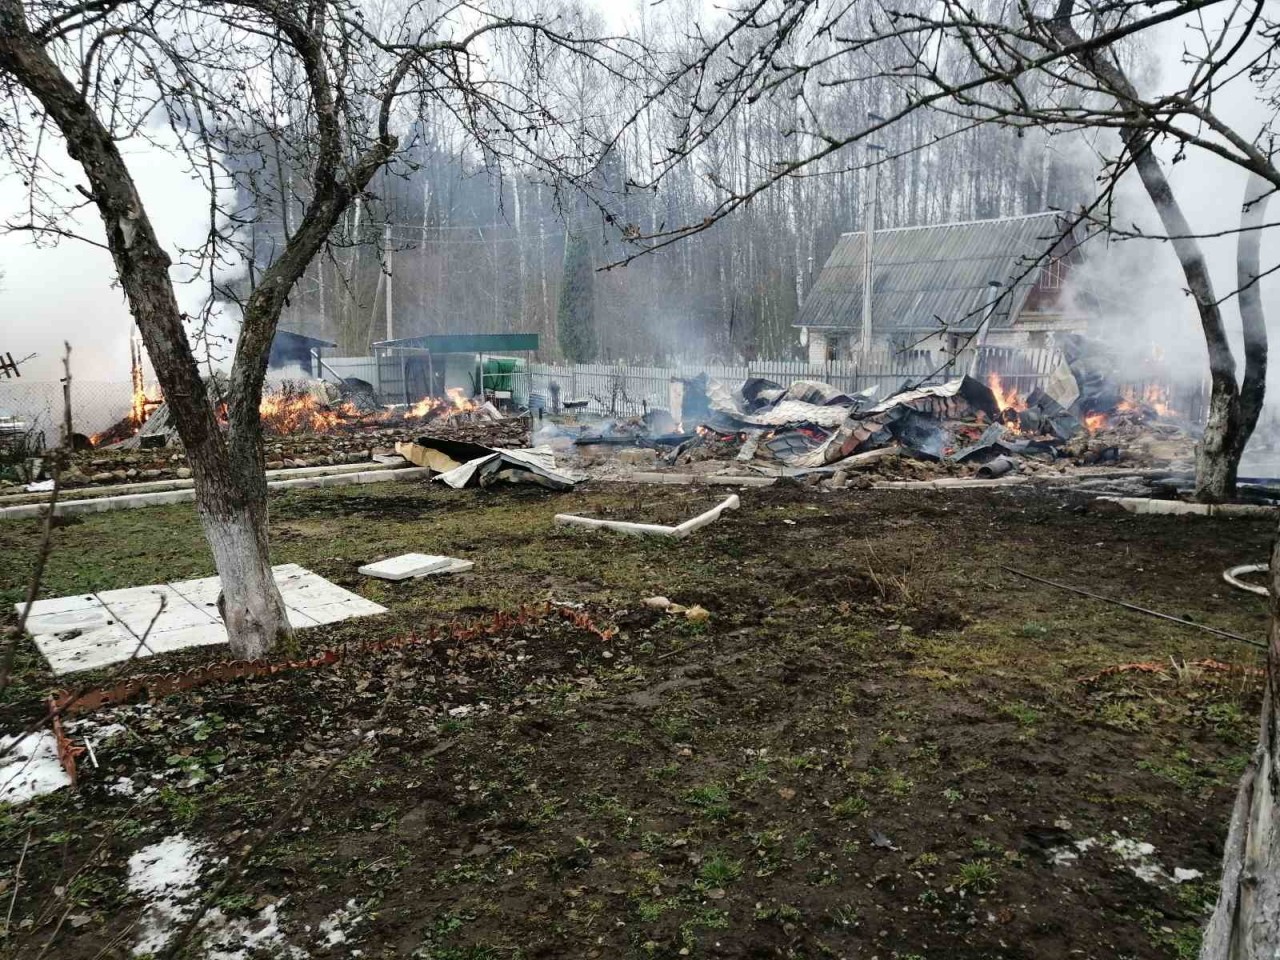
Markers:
<point>232,512</point>
<point>250,602</point>
<point>227,472</point>
<point>1215,463</point>
<point>1215,468</point>
<point>1253,322</point>
<point>1246,920</point>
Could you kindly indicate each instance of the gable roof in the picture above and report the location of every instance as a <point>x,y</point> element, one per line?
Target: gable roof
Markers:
<point>926,273</point>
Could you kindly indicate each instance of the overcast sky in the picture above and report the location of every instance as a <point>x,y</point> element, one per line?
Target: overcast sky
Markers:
<point>67,292</point>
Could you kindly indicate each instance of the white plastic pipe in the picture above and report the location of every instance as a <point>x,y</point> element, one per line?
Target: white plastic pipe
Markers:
<point>652,529</point>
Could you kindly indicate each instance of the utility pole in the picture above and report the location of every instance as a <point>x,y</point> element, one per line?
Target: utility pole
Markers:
<point>386,253</point>
<point>869,239</point>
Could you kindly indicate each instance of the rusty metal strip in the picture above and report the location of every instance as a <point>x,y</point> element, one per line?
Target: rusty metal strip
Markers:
<point>69,702</point>
<point>67,751</point>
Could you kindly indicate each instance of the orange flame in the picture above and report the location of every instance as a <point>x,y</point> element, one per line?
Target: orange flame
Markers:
<point>455,401</point>
<point>286,412</point>
<point>1094,422</point>
<point>1153,397</point>
<point>1006,399</point>
<point>141,405</point>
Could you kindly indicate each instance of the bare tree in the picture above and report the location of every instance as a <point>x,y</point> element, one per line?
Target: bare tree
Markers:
<point>101,74</point>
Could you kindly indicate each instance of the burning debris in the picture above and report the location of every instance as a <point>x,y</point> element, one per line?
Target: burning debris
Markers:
<point>303,407</point>
<point>967,424</point>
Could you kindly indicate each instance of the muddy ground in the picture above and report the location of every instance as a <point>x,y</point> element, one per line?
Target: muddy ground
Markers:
<point>879,744</point>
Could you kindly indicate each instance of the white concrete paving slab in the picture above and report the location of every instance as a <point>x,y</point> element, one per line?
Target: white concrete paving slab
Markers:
<point>414,565</point>
<point>87,619</point>
<point>201,635</point>
<point>299,620</point>
<point>202,592</point>
<point>81,601</point>
<point>342,610</point>
<point>88,631</point>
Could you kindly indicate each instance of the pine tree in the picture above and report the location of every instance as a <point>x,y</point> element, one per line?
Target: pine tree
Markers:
<point>575,319</point>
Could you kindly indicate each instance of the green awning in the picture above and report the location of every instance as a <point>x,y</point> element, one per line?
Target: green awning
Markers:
<point>467,342</point>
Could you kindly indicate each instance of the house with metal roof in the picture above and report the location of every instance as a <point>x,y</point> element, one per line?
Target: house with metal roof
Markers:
<point>934,288</point>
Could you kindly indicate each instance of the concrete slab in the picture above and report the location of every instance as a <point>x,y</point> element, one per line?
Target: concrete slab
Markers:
<point>343,610</point>
<point>414,565</point>
<point>89,631</point>
<point>201,635</point>
<point>202,593</point>
<point>87,651</point>
<point>299,620</point>
<point>70,620</point>
<point>83,601</point>
<point>375,474</point>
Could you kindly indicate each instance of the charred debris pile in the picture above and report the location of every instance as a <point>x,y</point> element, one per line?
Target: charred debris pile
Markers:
<point>306,424</point>
<point>963,426</point>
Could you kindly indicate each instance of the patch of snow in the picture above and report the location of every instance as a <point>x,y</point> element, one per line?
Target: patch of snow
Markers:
<point>122,788</point>
<point>243,937</point>
<point>29,767</point>
<point>1132,849</point>
<point>1068,853</point>
<point>333,928</point>
<point>166,874</point>
<point>1062,856</point>
<point>101,732</point>
<point>1183,875</point>
<point>1139,856</point>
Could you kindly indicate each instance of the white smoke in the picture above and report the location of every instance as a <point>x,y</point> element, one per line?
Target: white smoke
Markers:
<point>69,290</point>
<point>1145,305</point>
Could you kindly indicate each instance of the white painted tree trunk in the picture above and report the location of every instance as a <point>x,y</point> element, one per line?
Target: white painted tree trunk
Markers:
<point>250,602</point>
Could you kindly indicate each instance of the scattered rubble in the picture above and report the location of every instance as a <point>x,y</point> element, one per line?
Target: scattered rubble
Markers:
<point>307,424</point>
<point>697,613</point>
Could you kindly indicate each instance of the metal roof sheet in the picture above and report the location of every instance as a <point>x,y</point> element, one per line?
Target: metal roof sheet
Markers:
<point>924,274</point>
<point>304,339</point>
<point>467,342</point>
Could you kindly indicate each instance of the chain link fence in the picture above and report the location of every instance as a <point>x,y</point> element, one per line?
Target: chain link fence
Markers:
<point>35,406</point>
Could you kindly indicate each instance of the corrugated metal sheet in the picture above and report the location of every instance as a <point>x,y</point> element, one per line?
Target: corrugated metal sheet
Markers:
<point>923,274</point>
<point>467,342</point>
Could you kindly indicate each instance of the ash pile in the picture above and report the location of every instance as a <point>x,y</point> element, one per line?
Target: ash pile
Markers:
<point>961,427</point>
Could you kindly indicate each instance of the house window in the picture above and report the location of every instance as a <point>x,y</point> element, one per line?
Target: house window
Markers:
<point>1054,274</point>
